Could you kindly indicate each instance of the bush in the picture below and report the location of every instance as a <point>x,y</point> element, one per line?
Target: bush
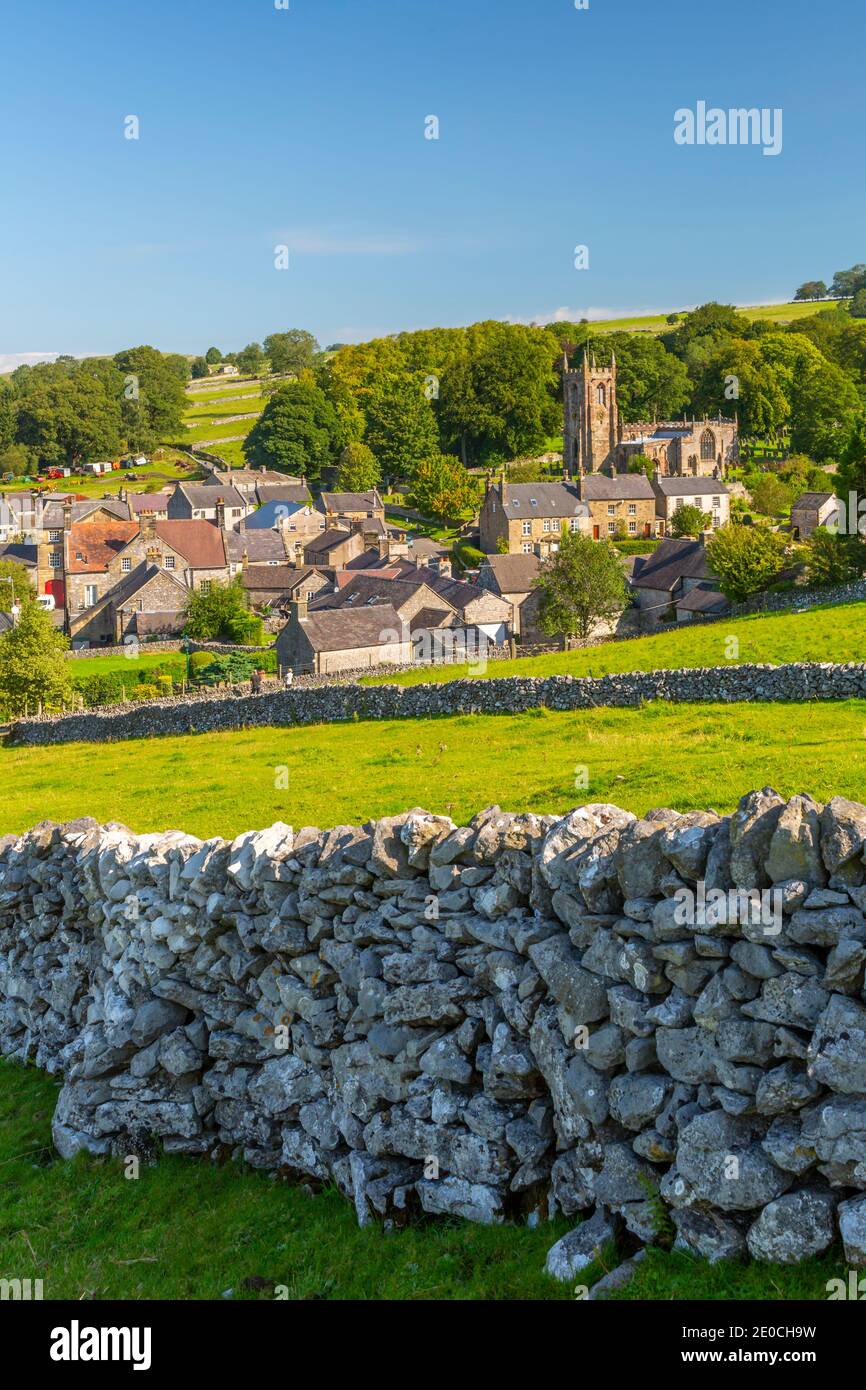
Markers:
<point>144,692</point>
<point>199,660</point>
<point>636,547</point>
<point>105,688</point>
<point>467,556</point>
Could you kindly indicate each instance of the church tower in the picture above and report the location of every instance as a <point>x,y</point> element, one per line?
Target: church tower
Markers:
<point>591,417</point>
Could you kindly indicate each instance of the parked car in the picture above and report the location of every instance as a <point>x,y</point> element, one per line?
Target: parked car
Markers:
<point>46,601</point>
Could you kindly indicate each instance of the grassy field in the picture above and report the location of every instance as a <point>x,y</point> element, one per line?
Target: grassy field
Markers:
<point>657,323</point>
<point>171,467</point>
<point>82,667</point>
<point>189,1230</point>
<point>220,403</point>
<point>835,633</point>
<point>685,756</point>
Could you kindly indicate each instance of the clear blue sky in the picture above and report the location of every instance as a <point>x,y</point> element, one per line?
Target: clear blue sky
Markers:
<point>262,126</point>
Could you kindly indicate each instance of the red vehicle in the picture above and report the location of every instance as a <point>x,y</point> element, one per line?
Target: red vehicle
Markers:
<point>55,473</point>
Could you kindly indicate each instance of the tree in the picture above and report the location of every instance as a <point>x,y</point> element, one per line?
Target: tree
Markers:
<point>20,588</point>
<point>769,494</point>
<point>834,559</point>
<point>213,356</point>
<point>812,289</point>
<point>152,397</point>
<point>846,283</point>
<point>401,427</point>
<point>745,559</point>
<point>18,459</point>
<point>851,475</point>
<point>33,665</point>
<point>639,463</point>
<point>220,614</point>
<point>581,585</point>
<point>70,419</point>
<point>251,360</point>
<point>443,488</point>
<point>297,432</point>
<point>857,307</point>
<point>291,352</point>
<point>824,405</point>
<point>200,369</point>
<point>359,470</point>
<point>689,521</point>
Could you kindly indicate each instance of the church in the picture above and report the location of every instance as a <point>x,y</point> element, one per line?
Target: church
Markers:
<point>597,442</point>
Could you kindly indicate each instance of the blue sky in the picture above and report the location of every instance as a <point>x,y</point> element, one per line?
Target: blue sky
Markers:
<point>305,127</point>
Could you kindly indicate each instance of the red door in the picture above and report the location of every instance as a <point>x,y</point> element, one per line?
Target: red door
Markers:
<point>595,533</point>
<point>57,588</point>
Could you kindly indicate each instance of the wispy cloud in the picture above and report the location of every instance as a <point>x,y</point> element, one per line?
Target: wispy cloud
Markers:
<point>10,360</point>
<point>565,314</point>
<point>322,243</point>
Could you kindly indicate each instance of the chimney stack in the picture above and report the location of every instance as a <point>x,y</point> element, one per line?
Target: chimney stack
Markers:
<point>221,513</point>
<point>299,610</point>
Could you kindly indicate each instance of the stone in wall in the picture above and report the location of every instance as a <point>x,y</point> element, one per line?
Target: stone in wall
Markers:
<point>528,1015</point>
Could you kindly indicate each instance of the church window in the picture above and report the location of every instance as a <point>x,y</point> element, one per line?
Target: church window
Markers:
<point>600,394</point>
<point>708,445</point>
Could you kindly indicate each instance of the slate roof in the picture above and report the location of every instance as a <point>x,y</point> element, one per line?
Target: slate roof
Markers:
<point>457,592</point>
<point>811,501</point>
<point>52,516</point>
<point>328,540</point>
<point>703,601</point>
<point>672,561</point>
<point>260,545</point>
<point>513,574</point>
<point>147,502</point>
<point>199,542</point>
<point>202,496</point>
<point>278,578</point>
<point>339,503</point>
<point>338,629</point>
<point>690,487</point>
<point>365,590</point>
<point>631,487</point>
<point>524,500</point>
<point>283,492</point>
<point>19,551</point>
<point>430,617</point>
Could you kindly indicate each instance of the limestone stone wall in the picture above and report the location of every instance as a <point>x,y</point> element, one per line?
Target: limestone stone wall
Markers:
<point>648,1024</point>
<point>334,702</point>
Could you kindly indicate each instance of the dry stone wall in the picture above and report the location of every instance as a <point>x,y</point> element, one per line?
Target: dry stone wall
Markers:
<point>334,702</point>
<point>527,1015</point>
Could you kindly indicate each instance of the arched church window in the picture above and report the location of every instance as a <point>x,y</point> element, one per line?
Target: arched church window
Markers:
<point>708,445</point>
<point>600,395</point>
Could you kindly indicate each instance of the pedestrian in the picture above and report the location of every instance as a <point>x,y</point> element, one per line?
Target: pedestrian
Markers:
<point>256,681</point>
<point>288,678</point>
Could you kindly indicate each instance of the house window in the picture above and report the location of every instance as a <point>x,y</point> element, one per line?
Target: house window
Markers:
<point>79,555</point>
<point>611,528</point>
<point>717,501</point>
<point>168,562</point>
<point>89,595</point>
<point>55,535</point>
<point>204,586</point>
<point>527,547</point>
<point>55,560</point>
<point>527,528</point>
<point>632,526</point>
<point>632,509</point>
<point>575,523</point>
<point>126,564</point>
<point>547,523</point>
<point>611,509</point>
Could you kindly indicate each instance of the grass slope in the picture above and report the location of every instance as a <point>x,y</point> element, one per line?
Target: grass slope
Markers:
<point>835,633</point>
<point>657,323</point>
<point>684,756</point>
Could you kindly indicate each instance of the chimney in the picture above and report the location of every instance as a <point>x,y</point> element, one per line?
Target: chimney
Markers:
<point>147,526</point>
<point>67,515</point>
<point>503,486</point>
<point>299,610</point>
<point>221,513</point>
<point>245,558</point>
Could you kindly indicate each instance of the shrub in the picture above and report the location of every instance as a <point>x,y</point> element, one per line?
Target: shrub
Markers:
<point>199,660</point>
<point>144,692</point>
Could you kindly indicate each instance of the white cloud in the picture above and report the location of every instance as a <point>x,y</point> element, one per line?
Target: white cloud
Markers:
<point>564,314</point>
<point>10,360</point>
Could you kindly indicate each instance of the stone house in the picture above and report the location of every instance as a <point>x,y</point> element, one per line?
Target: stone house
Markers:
<point>91,548</point>
<point>811,510</point>
<point>277,586</point>
<point>407,596</point>
<point>622,505</point>
<point>529,517</point>
<point>660,580</point>
<point>334,547</point>
<point>328,641</point>
<point>353,506</point>
<point>709,494</point>
<point>200,502</point>
<point>148,603</point>
<point>512,578</point>
<point>701,602</point>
